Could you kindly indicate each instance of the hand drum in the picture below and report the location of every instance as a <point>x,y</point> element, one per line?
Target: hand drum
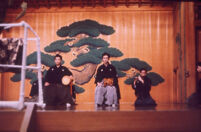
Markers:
<point>108,81</point>
<point>66,80</point>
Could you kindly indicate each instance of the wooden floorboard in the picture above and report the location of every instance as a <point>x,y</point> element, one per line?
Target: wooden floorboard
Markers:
<point>86,117</point>
<point>10,121</point>
<point>170,118</point>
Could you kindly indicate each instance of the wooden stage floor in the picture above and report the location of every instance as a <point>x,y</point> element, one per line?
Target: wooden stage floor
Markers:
<point>88,118</point>
<point>83,107</point>
<point>87,107</point>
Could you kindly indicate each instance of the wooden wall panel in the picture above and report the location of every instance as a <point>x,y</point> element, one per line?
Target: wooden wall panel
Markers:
<point>145,33</point>
<point>198,50</point>
<point>190,48</point>
<point>1,90</point>
<point>184,52</point>
<point>199,45</point>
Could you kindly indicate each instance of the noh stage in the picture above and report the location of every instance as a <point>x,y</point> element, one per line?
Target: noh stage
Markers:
<point>85,117</point>
<point>163,36</point>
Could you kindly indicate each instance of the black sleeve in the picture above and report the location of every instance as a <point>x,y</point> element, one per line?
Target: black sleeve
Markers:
<point>34,89</point>
<point>199,86</point>
<point>114,72</point>
<point>48,75</point>
<point>139,87</point>
<point>133,86</point>
<point>98,76</point>
<point>148,84</point>
<point>67,72</point>
<point>115,76</point>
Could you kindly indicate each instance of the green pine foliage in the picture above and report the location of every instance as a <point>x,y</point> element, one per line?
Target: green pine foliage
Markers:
<point>93,42</point>
<point>79,89</point>
<point>85,58</point>
<point>105,30</point>
<point>114,52</point>
<point>96,53</point>
<point>58,45</point>
<point>120,73</point>
<point>29,75</point>
<point>84,29</point>
<point>89,27</point>
<point>46,59</point>
<point>63,31</point>
<point>35,77</point>
<point>136,63</point>
<point>91,47</point>
<point>129,81</point>
<point>94,56</point>
<point>97,47</point>
<point>121,66</point>
<point>56,48</point>
<point>155,78</point>
<point>127,63</point>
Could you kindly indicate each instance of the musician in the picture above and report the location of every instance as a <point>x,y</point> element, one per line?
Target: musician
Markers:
<point>142,87</point>
<point>106,80</point>
<point>56,93</point>
<point>34,88</point>
<point>195,99</point>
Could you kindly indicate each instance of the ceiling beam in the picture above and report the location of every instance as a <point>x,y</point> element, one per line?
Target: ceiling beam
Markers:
<point>127,3</point>
<point>93,3</point>
<point>70,3</point>
<point>139,3</point>
<point>81,3</point>
<point>48,3</point>
<point>115,3</point>
<point>34,3</point>
<point>59,3</point>
<point>104,3</point>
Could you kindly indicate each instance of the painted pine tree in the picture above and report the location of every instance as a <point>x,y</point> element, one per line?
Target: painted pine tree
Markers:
<point>82,40</point>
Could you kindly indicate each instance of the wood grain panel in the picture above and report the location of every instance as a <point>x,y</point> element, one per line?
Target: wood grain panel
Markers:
<point>145,33</point>
<point>10,120</point>
<point>184,52</point>
<point>129,121</point>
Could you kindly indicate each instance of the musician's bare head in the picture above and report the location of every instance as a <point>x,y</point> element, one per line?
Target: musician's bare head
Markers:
<point>199,66</point>
<point>143,72</point>
<point>105,58</point>
<point>57,59</point>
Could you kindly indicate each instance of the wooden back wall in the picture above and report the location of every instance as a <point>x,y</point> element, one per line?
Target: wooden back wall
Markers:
<point>142,32</point>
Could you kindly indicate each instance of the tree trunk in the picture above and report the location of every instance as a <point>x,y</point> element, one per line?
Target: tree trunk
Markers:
<point>83,76</point>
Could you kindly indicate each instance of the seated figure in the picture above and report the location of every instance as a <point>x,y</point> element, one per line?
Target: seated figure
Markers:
<point>142,87</point>
<point>106,81</point>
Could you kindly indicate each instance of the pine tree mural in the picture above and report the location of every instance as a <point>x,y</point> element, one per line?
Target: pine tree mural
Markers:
<point>82,40</point>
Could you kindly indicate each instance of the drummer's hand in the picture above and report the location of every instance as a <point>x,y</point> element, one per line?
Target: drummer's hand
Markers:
<point>134,82</point>
<point>99,84</point>
<point>47,84</point>
<point>71,78</point>
<point>140,79</point>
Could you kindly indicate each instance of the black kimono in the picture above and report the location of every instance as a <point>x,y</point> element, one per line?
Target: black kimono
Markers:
<point>57,93</point>
<point>195,98</point>
<point>142,92</point>
<point>34,88</point>
<point>108,72</point>
<point>54,74</point>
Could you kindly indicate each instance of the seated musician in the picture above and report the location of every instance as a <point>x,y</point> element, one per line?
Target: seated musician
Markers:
<point>142,87</point>
<point>105,83</point>
<point>35,89</point>
<point>55,92</point>
<point>195,99</point>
